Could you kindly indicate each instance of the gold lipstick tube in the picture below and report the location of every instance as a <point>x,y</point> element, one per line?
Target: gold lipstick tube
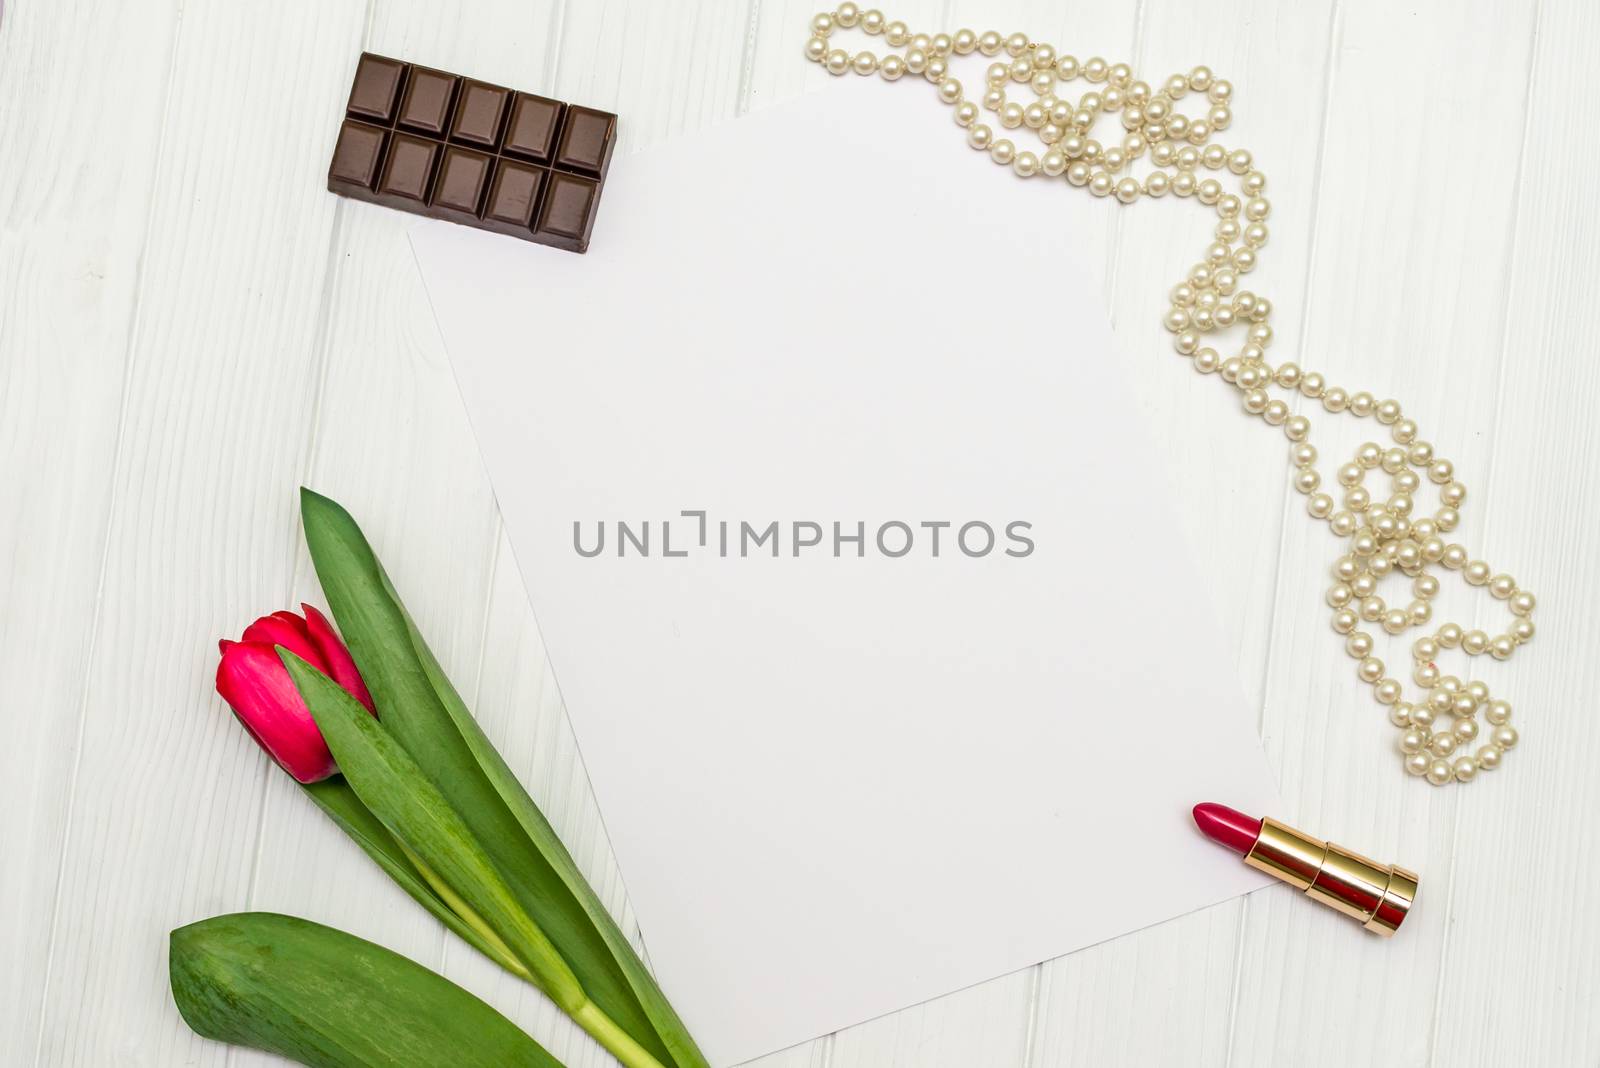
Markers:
<point>1376,895</point>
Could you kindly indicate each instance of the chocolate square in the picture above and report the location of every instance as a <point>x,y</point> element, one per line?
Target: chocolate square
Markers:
<point>463,177</point>
<point>531,134</point>
<point>425,106</point>
<point>567,215</point>
<point>513,197</point>
<point>586,140</point>
<point>375,89</point>
<point>357,155</point>
<point>480,113</point>
<point>408,173</point>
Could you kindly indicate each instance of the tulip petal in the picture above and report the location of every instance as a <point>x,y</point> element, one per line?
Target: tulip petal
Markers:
<point>288,630</point>
<point>337,661</point>
<point>257,687</point>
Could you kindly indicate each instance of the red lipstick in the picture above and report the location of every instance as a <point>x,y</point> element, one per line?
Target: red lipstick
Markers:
<point>1376,895</point>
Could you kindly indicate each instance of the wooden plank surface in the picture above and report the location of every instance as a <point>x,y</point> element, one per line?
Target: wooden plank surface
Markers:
<point>190,327</point>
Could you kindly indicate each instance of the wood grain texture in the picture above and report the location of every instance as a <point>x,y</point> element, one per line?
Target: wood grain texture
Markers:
<point>71,240</point>
<point>171,367</point>
<point>1406,296</point>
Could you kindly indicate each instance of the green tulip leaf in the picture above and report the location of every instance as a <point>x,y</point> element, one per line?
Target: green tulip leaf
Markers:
<point>428,719</point>
<point>331,1000</point>
<point>335,797</point>
<point>552,851</point>
<point>395,790</point>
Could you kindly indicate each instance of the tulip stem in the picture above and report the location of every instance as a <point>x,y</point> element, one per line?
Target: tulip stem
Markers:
<point>588,1015</point>
<point>496,947</point>
<point>613,1038</point>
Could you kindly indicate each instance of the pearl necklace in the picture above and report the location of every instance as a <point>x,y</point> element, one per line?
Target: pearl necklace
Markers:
<point>1382,536</point>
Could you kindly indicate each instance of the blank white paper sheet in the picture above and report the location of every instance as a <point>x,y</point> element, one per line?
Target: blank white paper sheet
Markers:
<point>844,776</point>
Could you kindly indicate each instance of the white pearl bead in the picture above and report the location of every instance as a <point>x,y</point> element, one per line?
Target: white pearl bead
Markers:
<point>1504,737</point>
<point>838,61</point>
<point>1002,151</point>
<point>1488,757</point>
<point>1465,768</point>
<point>1418,763</point>
<point>1440,773</point>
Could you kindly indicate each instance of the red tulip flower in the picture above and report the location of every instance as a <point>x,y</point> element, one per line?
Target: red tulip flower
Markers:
<point>257,687</point>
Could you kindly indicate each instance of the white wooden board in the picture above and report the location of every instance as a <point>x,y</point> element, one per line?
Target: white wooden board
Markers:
<point>190,327</point>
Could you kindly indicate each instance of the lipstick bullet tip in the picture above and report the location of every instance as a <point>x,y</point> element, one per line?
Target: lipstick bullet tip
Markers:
<point>1227,826</point>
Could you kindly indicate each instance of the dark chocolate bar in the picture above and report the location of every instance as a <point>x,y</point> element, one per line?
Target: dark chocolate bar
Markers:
<point>448,147</point>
